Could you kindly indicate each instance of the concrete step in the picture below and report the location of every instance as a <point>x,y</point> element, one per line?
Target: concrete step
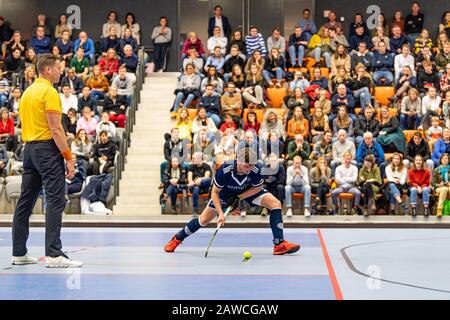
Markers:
<point>148,192</point>
<point>145,200</point>
<point>137,211</point>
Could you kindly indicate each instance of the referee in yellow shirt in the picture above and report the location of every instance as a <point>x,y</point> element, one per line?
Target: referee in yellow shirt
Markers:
<point>45,151</point>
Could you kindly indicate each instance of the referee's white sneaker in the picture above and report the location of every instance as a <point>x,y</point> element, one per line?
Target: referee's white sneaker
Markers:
<point>24,260</point>
<point>62,262</point>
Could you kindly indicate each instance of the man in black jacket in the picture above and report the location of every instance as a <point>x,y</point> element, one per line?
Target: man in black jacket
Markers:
<point>14,66</point>
<point>104,153</point>
<point>233,58</point>
<point>174,147</point>
<point>221,21</point>
<point>366,123</point>
<point>427,78</point>
<point>75,83</point>
<point>274,176</point>
<point>418,146</point>
<point>116,106</point>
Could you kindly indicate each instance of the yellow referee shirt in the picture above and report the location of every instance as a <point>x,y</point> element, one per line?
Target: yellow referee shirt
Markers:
<point>38,99</point>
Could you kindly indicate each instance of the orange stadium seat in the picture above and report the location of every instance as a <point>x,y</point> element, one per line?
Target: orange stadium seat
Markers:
<point>382,95</point>
<point>276,96</point>
<point>259,114</point>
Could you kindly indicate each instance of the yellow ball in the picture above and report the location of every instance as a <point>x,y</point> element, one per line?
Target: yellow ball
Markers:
<point>247,255</point>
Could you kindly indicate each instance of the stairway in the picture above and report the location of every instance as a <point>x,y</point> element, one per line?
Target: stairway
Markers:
<point>139,193</point>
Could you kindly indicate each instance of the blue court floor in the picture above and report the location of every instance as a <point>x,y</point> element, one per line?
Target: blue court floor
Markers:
<point>332,264</point>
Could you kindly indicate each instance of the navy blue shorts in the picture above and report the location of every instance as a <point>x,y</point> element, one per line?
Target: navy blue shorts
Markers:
<point>253,201</point>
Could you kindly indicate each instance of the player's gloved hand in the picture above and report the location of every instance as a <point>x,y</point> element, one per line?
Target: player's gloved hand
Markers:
<point>233,203</point>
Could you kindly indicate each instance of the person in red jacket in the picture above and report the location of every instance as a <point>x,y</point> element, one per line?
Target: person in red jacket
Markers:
<point>419,182</point>
<point>109,64</point>
<point>252,122</point>
<point>193,41</point>
<point>7,130</point>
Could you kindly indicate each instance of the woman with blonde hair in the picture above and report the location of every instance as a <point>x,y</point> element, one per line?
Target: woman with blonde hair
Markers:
<point>396,175</point>
<point>343,122</point>
<point>319,46</point>
<point>298,124</point>
<point>254,84</point>
<point>184,124</point>
<point>98,83</point>
<point>340,58</point>
<point>192,41</point>
<point>29,76</point>
<point>341,77</point>
<point>391,136</point>
<point>318,124</point>
<point>319,178</point>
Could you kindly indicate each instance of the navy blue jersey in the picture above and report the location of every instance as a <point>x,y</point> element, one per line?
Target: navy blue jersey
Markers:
<point>231,183</point>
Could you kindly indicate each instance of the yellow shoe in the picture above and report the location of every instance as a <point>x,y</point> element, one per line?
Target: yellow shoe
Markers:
<point>439,212</point>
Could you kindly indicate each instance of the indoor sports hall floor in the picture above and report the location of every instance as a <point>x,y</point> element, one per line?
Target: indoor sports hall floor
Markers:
<point>332,264</point>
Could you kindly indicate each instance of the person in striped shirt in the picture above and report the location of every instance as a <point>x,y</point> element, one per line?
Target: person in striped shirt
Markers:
<point>255,41</point>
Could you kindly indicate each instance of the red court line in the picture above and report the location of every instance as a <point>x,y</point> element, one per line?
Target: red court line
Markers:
<point>333,278</point>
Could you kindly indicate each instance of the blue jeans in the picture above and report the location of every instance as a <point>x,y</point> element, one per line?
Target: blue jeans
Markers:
<point>409,123</point>
<point>215,118</point>
<point>425,195</point>
<point>268,75</point>
<point>160,55</point>
<point>179,98</point>
<point>377,75</point>
<point>290,189</point>
<point>172,193</point>
<point>197,190</point>
<point>363,95</point>
<point>98,95</point>
<point>326,55</point>
<point>3,99</point>
<point>353,190</point>
<point>394,193</point>
<point>297,52</point>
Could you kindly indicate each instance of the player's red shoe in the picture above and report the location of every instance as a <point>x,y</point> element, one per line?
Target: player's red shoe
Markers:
<point>172,245</point>
<point>285,248</point>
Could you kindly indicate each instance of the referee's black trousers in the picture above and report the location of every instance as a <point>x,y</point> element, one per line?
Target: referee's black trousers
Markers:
<point>43,167</point>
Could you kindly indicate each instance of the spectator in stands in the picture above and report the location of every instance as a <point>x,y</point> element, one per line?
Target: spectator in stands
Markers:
<point>427,78</point>
<point>391,136</point>
<point>299,81</point>
<point>75,83</point>
<point>234,58</point>
<point>184,124</point>
<point>4,161</point>
<point>274,67</point>
<point>193,41</point>
<point>238,40</point>
<point>319,178</point>
<point>111,22</point>
<point>65,46</point>
<point>40,43</point>
<point>405,82</point>
<point>441,146</point>
<point>333,23</point>
<point>212,77</point>
<point>343,122</point>
<point>105,125</point>
<point>88,46</point>
<point>431,107</point>
<point>445,22</point>
<point>396,175</point>
<point>360,86</point>
<point>255,41</point>
<point>228,122</point>
<point>28,78</point>
<point>238,78</point>
<point>4,90</point>
<point>257,59</point>
<point>382,65</point>
<point>133,25</point>
<point>360,36</point>
<point>217,40</point>
<point>337,39</point>
<point>422,41</point>
<point>13,104</point>
<point>116,106</point>
<point>231,101</point>
<point>414,21</point>
<point>57,54</point>
<point>342,98</point>
<point>397,41</point>
<point>188,88</point>
<point>319,46</point>
<point>225,150</point>
<point>70,124</point>
<point>81,147</point>
<point>75,185</point>
<point>254,83</point>
<point>446,109</point>
<point>7,130</point>
<point>340,147</point>
<point>380,36</point>
<point>298,125</point>
<point>199,179</point>
<point>369,181</point>
<point>442,182</point>
<point>297,181</point>
<point>80,64</point>
<point>221,21</point>
<point>319,124</point>
<point>425,56</point>
<point>98,83</point>
<point>419,183</point>
<point>16,42</point>
<point>104,153</point>
<point>31,58</point>
<point>87,123</point>
<point>273,145</point>
<point>62,26</point>
<point>124,84</point>
<point>339,59</point>
<point>130,61</point>
<point>277,41</point>
<point>272,123</point>
<point>398,21</point>
<point>109,64</point>
<point>318,79</point>
<point>418,146</point>
<point>362,56</point>
<point>162,37</point>
<point>42,22</point>
<point>445,80</point>
<point>6,33</point>
<point>274,179</point>
<point>216,59</point>
<point>112,41</point>
<point>307,24</point>
<point>127,39</point>
<point>323,148</point>
<point>194,58</point>
<point>342,77</point>
<point>405,59</point>
<point>211,102</point>
<point>202,121</point>
<point>174,147</point>
<point>346,177</point>
<point>299,147</point>
<point>357,23</point>
<point>174,180</point>
<point>251,122</point>
<point>68,100</point>
<point>370,146</point>
<point>366,122</point>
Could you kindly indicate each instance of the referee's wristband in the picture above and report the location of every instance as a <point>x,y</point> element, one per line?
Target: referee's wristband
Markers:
<point>67,155</point>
